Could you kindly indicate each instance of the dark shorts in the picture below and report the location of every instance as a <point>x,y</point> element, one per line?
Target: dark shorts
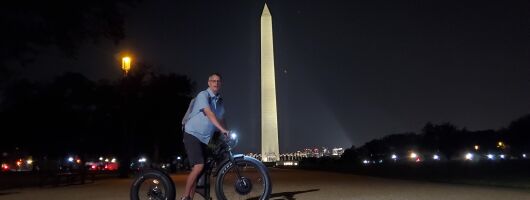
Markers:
<point>195,149</point>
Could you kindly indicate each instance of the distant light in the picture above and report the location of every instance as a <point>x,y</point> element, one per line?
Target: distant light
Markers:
<point>380,161</point>
<point>502,156</point>
<point>126,64</point>
<point>78,161</point>
<point>413,155</point>
<point>233,136</point>
<point>142,160</point>
<point>70,159</point>
<point>394,156</point>
<point>436,157</point>
<point>106,160</point>
<point>29,161</point>
<point>524,155</point>
<point>491,156</point>
<point>500,145</point>
<point>476,147</point>
<point>178,158</point>
<point>469,156</point>
<point>101,158</point>
<point>366,161</point>
<point>113,160</point>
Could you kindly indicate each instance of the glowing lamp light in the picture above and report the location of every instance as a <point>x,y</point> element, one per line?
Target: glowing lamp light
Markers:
<point>126,64</point>
<point>394,156</point>
<point>524,155</point>
<point>101,158</point>
<point>501,145</point>
<point>113,160</point>
<point>70,159</point>
<point>502,156</point>
<point>490,156</point>
<point>29,161</point>
<point>469,156</point>
<point>436,157</point>
<point>106,160</point>
<point>476,147</point>
<point>413,155</point>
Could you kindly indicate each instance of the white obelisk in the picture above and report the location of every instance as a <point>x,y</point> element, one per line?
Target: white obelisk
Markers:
<point>270,151</point>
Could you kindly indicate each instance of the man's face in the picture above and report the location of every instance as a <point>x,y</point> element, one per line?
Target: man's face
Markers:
<point>214,83</point>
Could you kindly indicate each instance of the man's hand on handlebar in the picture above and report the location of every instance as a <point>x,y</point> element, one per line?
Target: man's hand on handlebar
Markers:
<point>225,132</point>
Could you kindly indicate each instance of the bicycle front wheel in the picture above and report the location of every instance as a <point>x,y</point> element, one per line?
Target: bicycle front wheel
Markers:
<point>247,178</point>
<point>152,185</point>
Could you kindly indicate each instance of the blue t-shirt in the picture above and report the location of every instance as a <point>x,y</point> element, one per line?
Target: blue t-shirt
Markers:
<point>199,125</point>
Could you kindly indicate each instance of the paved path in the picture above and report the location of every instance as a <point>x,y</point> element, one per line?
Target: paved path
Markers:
<point>295,184</point>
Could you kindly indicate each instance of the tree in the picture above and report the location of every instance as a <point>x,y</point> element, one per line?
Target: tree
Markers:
<point>30,27</point>
<point>444,137</point>
<point>73,114</point>
<point>350,155</point>
<point>518,134</point>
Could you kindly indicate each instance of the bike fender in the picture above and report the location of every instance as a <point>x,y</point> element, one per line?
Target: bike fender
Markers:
<point>226,164</point>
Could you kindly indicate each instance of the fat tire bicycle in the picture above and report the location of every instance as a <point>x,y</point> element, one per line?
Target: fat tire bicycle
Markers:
<point>236,177</point>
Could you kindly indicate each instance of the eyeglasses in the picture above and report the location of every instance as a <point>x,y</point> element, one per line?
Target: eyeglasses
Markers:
<point>215,81</point>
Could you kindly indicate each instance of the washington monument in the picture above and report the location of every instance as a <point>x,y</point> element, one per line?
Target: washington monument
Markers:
<point>270,151</point>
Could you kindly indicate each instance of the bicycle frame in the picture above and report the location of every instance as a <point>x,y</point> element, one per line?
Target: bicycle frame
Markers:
<point>221,168</point>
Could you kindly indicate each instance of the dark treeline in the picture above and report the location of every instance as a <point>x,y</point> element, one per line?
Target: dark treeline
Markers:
<point>451,144</point>
<point>31,27</point>
<point>448,141</point>
<point>74,115</point>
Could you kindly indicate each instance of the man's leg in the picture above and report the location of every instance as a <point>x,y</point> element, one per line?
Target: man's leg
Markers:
<point>192,180</point>
<point>196,151</point>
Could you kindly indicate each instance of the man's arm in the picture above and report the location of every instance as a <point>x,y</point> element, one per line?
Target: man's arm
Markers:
<point>211,116</point>
<point>223,123</point>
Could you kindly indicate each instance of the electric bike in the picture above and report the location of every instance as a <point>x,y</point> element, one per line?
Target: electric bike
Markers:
<point>236,177</point>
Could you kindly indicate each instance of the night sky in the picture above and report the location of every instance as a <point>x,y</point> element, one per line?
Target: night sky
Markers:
<point>347,71</point>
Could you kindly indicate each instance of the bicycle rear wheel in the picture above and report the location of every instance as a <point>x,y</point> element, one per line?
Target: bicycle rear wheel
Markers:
<point>153,185</point>
<point>253,183</point>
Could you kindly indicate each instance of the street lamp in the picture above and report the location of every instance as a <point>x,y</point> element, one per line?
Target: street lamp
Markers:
<point>125,157</point>
<point>126,65</point>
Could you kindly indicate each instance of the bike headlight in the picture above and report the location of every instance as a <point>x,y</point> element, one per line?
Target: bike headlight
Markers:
<point>232,140</point>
